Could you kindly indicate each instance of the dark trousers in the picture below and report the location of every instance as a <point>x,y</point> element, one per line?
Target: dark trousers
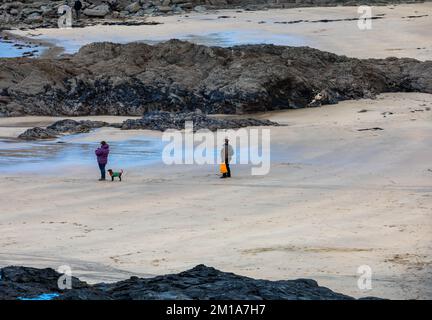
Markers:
<point>102,170</point>
<point>77,12</point>
<point>228,174</point>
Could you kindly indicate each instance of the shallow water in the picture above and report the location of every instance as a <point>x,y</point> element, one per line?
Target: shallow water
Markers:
<point>12,49</point>
<point>18,156</point>
<point>240,37</point>
<point>74,152</point>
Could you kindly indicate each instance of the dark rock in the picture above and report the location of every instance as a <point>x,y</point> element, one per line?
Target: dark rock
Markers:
<point>200,283</point>
<point>162,120</point>
<point>72,126</point>
<point>18,282</point>
<point>38,133</point>
<point>371,129</point>
<point>67,126</point>
<point>157,120</point>
<point>130,79</point>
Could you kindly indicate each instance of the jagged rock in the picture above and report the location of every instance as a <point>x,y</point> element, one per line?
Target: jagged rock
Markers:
<point>199,283</point>
<point>98,11</point>
<point>131,79</point>
<point>162,120</point>
<point>18,282</point>
<point>66,126</point>
<point>38,133</point>
<point>133,7</point>
<point>158,120</point>
<point>72,126</point>
<point>34,17</point>
<point>165,9</point>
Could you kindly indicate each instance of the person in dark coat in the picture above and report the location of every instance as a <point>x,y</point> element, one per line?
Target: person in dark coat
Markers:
<point>102,158</point>
<point>226,156</point>
<point>77,7</point>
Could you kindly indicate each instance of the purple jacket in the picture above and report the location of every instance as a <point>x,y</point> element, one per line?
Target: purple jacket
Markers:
<point>102,154</point>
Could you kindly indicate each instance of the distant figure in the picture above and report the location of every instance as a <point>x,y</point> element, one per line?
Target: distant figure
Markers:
<point>102,158</point>
<point>77,8</point>
<point>226,155</point>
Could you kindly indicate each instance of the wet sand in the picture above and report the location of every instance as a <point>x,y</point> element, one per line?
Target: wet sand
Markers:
<point>335,199</point>
<point>400,31</point>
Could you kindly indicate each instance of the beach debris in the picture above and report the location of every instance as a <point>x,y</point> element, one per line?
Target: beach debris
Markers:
<point>362,111</point>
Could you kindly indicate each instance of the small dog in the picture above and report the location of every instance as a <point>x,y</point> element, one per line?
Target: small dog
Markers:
<point>114,174</point>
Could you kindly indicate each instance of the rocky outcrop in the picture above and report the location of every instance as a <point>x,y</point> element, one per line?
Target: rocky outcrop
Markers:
<point>61,127</point>
<point>199,283</point>
<point>158,120</point>
<point>162,121</point>
<point>130,79</point>
<point>42,14</point>
<point>38,133</point>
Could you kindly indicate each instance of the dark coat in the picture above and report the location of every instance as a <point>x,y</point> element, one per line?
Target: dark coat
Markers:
<point>77,5</point>
<point>102,154</point>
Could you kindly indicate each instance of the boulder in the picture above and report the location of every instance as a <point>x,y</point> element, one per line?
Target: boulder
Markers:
<point>61,127</point>
<point>165,9</point>
<point>98,11</point>
<point>34,18</point>
<point>133,7</point>
<point>38,133</point>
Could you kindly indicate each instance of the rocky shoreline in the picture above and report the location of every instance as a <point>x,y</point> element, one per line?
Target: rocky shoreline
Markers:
<point>158,120</point>
<point>31,14</point>
<point>199,283</point>
<point>178,76</point>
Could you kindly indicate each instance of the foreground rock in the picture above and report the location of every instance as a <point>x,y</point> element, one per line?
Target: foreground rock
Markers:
<point>130,79</point>
<point>163,120</point>
<point>201,283</point>
<point>61,127</point>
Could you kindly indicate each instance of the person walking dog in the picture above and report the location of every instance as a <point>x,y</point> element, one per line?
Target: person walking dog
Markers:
<point>102,158</point>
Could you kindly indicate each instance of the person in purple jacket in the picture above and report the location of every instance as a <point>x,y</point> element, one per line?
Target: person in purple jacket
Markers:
<point>102,158</point>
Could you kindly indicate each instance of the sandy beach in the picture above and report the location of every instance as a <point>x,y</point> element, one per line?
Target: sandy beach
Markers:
<point>349,184</point>
<point>400,30</point>
<point>335,199</point>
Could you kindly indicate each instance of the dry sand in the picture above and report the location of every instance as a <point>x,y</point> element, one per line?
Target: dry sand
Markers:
<point>395,35</point>
<point>335,199</point>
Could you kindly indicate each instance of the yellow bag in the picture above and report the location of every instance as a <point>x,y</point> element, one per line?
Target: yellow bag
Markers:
<point>223,168</point>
